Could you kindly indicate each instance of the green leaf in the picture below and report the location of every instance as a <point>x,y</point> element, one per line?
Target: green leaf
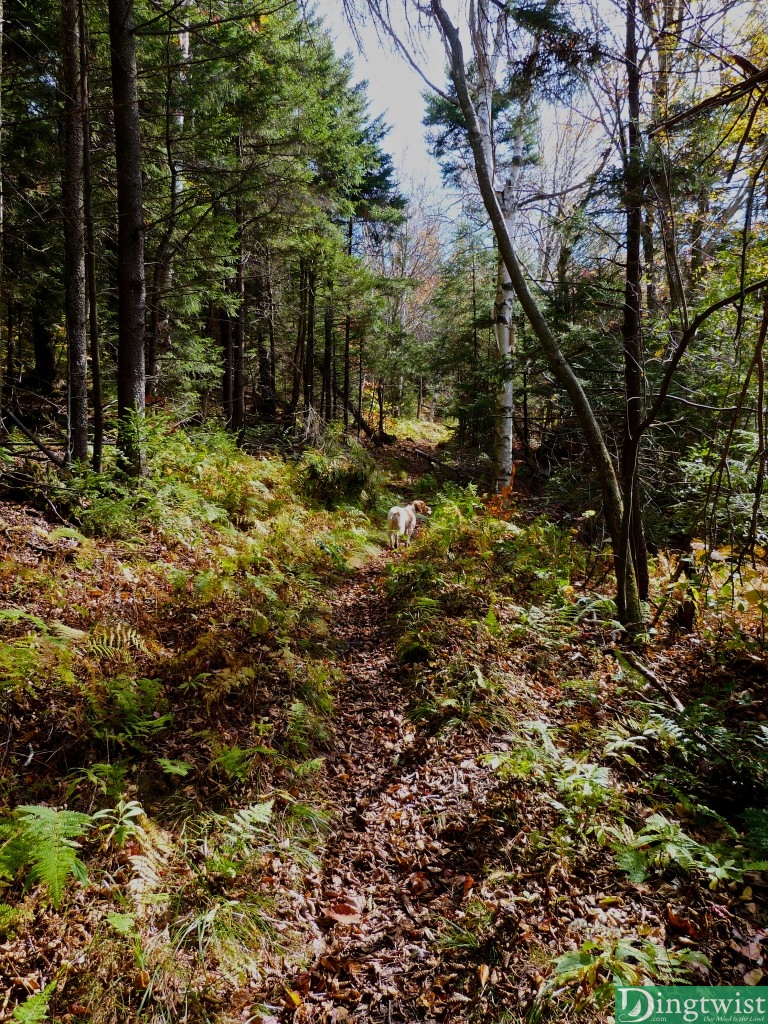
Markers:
<point>491,622</point>
<point>124,924</point>
<point>172,767</point>
<point>46,839</point>
<point>633,862</point>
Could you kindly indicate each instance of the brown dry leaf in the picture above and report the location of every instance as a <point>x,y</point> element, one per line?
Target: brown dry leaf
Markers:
<point>303,982</point>
<point>342,913</point>
<point>418,883</point>
<point>483,973</point>
<point>469,884</point>
<point>682,924</point>
<point>753,977</point>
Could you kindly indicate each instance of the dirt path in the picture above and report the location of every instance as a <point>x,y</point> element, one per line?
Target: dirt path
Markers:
<point>391,873</point>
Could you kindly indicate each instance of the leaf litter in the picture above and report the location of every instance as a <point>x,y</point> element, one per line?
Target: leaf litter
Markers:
<point>441,892</point>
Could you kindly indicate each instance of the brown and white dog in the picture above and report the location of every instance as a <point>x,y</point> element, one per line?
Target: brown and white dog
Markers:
<point>402,520</point>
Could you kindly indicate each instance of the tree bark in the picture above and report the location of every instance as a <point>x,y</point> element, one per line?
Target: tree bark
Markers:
<point>131,287</point>
<point>238,383</point>
<point>347,341</point>
<point>327,405</point>
<point>224,324</point>
<point>309,351</point>
<point>298,354</point>
<point>9,344</point>
<point>90,253</point>
<point>632,543</point>
<point>74,235</point>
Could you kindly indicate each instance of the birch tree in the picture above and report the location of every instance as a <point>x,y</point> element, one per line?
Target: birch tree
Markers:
<point>488,25</point>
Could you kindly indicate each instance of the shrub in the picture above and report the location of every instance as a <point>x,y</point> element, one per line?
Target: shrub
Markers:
<point>338,474</point>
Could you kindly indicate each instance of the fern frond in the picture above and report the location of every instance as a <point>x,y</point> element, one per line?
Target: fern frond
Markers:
<point>46,839</point>
<point>35,1009</point>
<point>247,824</point>
<point>115,641</point>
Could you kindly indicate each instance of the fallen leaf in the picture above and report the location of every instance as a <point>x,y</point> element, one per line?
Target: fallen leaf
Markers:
<point>753,977</point>
<point>483,973</point>
<point>418,883</point>
<point>682,924</point>
<point>342,913</point>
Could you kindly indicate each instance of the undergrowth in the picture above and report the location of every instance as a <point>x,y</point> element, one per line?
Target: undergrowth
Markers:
<point>169,675</point>
<point>502,640</point>
<point>167,668</point>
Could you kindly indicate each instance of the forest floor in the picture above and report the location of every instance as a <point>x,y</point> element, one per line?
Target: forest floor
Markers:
<point>439,897</point>
<point>339,783</point>
<point>402,857</point>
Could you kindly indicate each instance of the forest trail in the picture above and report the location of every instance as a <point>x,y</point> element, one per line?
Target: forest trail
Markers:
<point>391,872</point>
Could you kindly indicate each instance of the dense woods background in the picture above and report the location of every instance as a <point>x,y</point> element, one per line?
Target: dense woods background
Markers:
<point>231,336</point>
<point>199,211</point>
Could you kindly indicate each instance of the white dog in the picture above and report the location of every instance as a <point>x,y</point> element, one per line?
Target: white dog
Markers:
<point>402,520</point>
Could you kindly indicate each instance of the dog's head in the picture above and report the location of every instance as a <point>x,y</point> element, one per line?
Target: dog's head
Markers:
<point>422,508</point>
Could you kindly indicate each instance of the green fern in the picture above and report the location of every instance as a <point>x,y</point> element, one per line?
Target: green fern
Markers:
<point>35,1009</point>
<point>247,824</point>
<point>9,919</point>
<point>305,727</point>
<point>756,822</point>
<point>45,838</point>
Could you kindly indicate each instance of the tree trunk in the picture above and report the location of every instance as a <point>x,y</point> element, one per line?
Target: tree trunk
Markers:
<point>347,341</point>
<point>224,321</point>
<point>90,252</point>
<point>238,383</point>
<point>357,417</point>
<point>360,384</point>
<point>271,328</point>
<point>298,353</point>
<point>131,288</point>
<point>9,345</point>
<point>505,330</point>
<point>612,499</point>
<point>327,405</point>
<point>632,544</point>
<point>9,385</point>
<point>74,235</point>
<point>309,355</point>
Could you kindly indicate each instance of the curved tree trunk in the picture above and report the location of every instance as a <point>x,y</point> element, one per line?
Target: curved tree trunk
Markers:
<point>613,506</point>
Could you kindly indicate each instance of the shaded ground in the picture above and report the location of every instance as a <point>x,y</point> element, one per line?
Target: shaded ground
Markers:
<point>399,863</point>
<point>446,891</point>
<point>444,894</point>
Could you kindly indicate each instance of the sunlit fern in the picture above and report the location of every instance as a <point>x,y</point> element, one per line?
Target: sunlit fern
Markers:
<point>115,641</point>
